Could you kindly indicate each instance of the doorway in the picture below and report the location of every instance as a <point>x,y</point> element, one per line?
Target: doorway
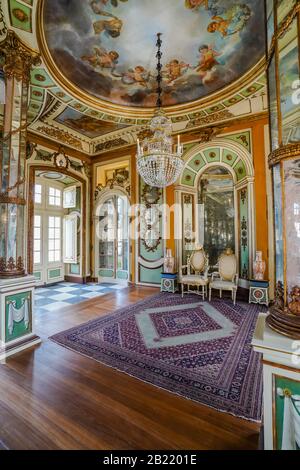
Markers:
<point>56,228</point>
<point>112,239</point>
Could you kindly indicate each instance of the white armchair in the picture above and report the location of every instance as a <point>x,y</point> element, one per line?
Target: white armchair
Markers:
<point>196,273</point>
<point>227,277</point>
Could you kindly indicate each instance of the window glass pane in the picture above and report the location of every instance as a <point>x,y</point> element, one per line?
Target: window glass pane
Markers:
<point>37,232</point>
<point>37,245</point>
<point>51,256</point>
<point>38,193</point>
<point>37,257</point>
<point>37,220</point>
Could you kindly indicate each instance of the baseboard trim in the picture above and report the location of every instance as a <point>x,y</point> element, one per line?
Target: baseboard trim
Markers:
<point>18,346</point>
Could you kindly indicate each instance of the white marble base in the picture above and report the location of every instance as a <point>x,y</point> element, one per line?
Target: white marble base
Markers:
<point>9,287</point>
<point>281,358</point>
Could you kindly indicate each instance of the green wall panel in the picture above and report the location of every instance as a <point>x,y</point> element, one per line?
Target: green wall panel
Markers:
<point>188,177</point>
<point>19,329</point>
<point>54,273</point>
<point>75,268</point>
<point>212,155</point>
<point>106,273</point>
<point>20,16</point>
<point>229,157</point>
<point>122,275</point>
<point>197,162</point>
<point>148,275</point>
<point>240,170</point>
<point>151,276</point>
<point>289,387</point>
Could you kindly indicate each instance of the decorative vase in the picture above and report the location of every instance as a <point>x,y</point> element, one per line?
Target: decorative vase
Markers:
<point>169,262</point>
<point>259,267</point>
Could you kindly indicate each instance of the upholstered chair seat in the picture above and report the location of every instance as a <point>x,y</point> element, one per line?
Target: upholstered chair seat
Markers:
<point>196,273</point>
<point>227,277</point>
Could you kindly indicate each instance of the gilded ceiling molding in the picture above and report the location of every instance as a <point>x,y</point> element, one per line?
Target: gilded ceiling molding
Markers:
<point>129,111</point>
<point>61,135</point>
<point>290,151</point>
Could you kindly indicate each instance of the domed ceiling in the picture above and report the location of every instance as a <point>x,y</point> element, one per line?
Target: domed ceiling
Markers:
<point>104,50</point>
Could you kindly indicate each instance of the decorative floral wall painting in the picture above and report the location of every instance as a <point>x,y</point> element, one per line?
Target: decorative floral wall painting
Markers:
<point>107,47</point>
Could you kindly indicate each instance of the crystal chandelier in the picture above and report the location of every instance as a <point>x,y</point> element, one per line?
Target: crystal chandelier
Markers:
<point>158,162</point>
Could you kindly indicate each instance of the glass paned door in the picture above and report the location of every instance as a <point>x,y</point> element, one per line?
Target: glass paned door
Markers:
<point>113,239</point>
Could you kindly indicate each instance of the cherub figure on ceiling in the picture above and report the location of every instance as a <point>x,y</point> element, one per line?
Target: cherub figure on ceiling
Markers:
<point>111,27</point>
<point>207,64</point>
<point>231,22</point>
<point>138,75</point>
<point>196,4</point>
<point>175,69</point>
<point>101,58</point>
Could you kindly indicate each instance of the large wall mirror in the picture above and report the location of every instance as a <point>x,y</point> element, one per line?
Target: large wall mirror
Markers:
<point>216,217</point>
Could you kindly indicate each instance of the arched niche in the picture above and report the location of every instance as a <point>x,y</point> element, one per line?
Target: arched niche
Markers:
<point>232,159</point>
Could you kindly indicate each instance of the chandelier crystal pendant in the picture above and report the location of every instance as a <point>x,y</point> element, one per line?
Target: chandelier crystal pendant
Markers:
<point>159,162</point>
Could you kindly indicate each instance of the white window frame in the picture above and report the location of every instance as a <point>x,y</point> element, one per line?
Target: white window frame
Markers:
<point>56,196</point>
<point>70,241</point>
<point>69,197</point>
<point>38,203</point>
<point>40,239</point>
<point>55,239</point>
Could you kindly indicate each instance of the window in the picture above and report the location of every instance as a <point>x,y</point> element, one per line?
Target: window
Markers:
<point>38,194</point>
<point>54,197</point>
<point>54,239</point>
<point>37,240</point>
<point>70,239</point>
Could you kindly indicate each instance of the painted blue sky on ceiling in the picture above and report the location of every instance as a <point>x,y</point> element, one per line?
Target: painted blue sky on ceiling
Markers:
<point>107,47</point>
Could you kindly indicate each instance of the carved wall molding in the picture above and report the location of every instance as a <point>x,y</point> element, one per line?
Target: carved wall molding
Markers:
<point>121,179</point>
<point>59,159</point>
<point>61,135</point>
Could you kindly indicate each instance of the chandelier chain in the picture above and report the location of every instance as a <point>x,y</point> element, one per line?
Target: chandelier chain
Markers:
<point>158,68</point>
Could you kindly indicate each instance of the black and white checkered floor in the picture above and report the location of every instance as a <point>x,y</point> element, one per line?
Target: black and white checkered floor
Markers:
<point>64,294</point>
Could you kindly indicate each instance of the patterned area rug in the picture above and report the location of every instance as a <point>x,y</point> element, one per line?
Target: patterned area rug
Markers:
<point>196,349</point>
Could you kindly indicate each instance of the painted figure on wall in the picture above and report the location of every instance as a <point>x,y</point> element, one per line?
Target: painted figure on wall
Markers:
<point>106,47</point>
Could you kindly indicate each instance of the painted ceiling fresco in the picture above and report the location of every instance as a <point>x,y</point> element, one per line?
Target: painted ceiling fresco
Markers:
<point>86,125</point>
<point>107,47</point>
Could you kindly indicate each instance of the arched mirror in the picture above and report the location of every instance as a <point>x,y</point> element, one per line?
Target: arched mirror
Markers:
<point>216,217</point>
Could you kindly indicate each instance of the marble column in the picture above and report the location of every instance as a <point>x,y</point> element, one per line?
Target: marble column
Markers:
<point>16,288</point>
